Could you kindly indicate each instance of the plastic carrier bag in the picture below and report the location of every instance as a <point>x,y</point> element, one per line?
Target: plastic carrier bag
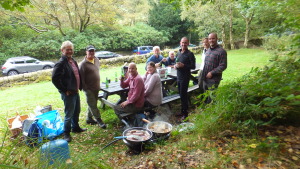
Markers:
<point>45,126</point>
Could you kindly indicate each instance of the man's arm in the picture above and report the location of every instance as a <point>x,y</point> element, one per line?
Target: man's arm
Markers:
<point>57,74</point>
<point>82,72</point>
<point>222,63</point>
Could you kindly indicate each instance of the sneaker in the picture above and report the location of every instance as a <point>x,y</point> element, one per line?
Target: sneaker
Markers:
<point>67,137</point>
<point>79,130</point>
<point>100,123</point>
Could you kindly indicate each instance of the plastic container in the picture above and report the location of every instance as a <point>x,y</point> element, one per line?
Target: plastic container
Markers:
<point>55,152</point>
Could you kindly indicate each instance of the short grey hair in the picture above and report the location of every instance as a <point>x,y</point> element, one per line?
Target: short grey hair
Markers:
<point>171,52</point>
<point>65,44</point>
<point>156,47</point>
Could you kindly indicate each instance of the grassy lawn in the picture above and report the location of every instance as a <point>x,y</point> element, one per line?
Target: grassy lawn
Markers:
<point>24,99</point>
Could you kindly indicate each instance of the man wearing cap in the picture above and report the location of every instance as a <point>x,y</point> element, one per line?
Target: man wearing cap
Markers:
<point>66,78</point>
<point>89,70</point>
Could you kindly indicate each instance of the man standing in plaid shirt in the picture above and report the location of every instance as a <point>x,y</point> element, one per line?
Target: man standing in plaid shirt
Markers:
<point>215,64</point>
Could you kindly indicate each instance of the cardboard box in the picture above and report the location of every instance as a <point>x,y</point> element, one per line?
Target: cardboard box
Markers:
<point>15,132</point>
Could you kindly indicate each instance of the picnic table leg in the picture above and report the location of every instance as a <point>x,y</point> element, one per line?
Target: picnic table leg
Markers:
<point>105,96</point>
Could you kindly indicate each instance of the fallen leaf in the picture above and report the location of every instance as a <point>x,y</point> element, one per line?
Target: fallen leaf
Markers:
<point>294,158</point>
<point>252,145</point>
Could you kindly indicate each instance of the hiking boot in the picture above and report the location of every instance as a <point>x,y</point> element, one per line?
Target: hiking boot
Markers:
<point>79,130</point>
<point>91,121</point>
<point>67,137</point>
<point>100,123</point>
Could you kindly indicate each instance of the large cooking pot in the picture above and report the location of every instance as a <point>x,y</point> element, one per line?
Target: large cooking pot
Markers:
<point>137,136</point>
<point>159,128</point>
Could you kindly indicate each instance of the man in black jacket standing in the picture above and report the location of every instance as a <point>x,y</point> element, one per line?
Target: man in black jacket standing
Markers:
<point>66,78</point>
<point>185,61</point>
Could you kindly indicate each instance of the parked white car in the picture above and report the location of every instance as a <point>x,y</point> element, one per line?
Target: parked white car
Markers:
<point>24,64</point>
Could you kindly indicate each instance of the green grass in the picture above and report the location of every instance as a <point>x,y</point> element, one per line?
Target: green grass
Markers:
<point>24,99</point>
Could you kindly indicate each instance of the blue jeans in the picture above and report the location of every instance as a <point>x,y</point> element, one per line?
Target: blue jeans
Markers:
<point>72,110</point>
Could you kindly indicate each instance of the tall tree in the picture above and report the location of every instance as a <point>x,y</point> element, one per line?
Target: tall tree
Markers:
<point>209,17</point>
<point>67,14</point>
<point>164,18</point>
<point>131,12</point>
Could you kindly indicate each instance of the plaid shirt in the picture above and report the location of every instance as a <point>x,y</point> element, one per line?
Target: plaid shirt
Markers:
<point>215,62</point>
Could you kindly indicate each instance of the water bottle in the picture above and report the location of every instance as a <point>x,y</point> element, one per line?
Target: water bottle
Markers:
<point>106,83</point>
<point>116,77</point>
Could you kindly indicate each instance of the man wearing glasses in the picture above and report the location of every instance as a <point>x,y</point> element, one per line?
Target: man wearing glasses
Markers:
<point>89,70</point>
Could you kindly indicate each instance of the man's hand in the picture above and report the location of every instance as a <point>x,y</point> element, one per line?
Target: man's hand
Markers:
<point>124,104</point>
<point>68,93</point>
<point>179,65</point>
<point>164,59</point>
<point>209,75</point>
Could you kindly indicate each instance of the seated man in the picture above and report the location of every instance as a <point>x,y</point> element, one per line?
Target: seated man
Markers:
<point>135,100</point>
<point>157,58</point>
<point>171,61</point>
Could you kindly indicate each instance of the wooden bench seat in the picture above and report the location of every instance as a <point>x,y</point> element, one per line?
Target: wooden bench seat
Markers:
<point>192,88</point>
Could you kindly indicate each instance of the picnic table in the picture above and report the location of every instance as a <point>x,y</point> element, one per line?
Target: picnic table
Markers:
<point>114,88</point>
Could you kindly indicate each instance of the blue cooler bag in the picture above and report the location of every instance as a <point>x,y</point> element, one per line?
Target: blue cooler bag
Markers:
<point>46,126</point>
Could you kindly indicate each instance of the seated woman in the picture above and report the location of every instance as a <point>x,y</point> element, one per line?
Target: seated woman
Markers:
<point>157,58</point>
<point>153,88</point>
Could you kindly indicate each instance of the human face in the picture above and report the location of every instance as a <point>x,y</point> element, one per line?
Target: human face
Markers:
<point>184,43</point>
<point>132,69</point>
<point>90,54</point>
<point>205,43</point>
<point>156,51</point>
<point>150,69</point>
<point>67,51</point>
<point>213,40</point>
<point>172,56</point>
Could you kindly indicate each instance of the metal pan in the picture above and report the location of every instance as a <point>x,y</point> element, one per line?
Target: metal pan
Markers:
<point>159,128</point>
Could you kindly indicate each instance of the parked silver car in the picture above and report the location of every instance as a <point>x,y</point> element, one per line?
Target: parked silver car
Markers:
<point>106,54</point>
<point>24,64</point>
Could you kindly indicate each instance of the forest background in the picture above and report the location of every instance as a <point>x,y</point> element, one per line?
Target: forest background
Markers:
<point>38,27</point>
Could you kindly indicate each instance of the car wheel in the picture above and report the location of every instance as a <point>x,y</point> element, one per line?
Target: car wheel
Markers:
<point>12,72</point>
<point>47,67</point>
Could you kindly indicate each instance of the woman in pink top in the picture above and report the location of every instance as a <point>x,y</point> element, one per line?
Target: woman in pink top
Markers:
<point>153,88</point>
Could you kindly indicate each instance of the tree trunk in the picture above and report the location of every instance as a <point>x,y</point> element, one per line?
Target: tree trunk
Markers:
<point>247,32</point>
<point>223,36</point>
<point>232,46</point>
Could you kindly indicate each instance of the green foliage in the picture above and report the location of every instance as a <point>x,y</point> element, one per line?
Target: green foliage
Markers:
<point>14,4</point>
<point>164,18</point>
<point>261,97</point>
<point>21,41</point>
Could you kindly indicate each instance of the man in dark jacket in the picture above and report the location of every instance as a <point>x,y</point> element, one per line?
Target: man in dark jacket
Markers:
<point>66,78</point>
<point>185,61</point>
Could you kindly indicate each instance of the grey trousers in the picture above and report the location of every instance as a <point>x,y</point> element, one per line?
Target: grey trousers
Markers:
<point>92,100</point>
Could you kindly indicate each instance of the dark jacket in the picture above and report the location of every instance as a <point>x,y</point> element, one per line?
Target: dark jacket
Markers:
<point>63,76</point>
<point>188,59</point>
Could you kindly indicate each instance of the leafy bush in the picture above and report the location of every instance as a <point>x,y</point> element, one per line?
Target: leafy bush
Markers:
<point>261,97</point>
<point>21,41</point>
